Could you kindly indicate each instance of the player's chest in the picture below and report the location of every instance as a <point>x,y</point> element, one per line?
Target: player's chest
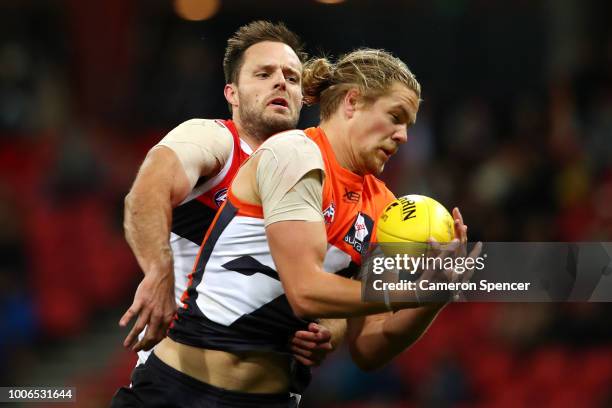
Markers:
<point>349,219</point>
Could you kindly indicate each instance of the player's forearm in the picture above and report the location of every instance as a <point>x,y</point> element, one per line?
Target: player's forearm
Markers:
<point>337,327</point>
<point>161,184</point>
<point>147,221</point>
<point>325,295</point>
<point>311,291</point>
<point>380,340</point>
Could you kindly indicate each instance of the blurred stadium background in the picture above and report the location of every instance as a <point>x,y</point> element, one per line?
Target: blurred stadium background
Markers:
<point>515,129</point>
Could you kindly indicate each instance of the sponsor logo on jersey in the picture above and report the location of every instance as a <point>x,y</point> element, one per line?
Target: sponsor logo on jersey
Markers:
<point>351,196</point>
<point>220,197</point>
<point>361,230</point>
<point>359,234</point>
<point>328,213</point>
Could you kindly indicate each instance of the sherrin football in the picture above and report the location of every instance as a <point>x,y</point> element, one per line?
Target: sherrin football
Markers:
<point>413,218</point>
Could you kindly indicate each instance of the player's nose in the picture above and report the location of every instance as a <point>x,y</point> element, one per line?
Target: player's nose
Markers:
<point>401,134</point>
<point>279,80</point>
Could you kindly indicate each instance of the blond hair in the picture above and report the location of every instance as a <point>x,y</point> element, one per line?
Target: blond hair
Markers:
<point>372,71</point>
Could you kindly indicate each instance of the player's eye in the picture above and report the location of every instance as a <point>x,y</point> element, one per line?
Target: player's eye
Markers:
<point>395,118</point>
<point>293,79</point>
<point>262,75</point>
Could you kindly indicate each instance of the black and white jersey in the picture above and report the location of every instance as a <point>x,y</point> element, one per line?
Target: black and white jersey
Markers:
<point>192,218</point>
<point>235,300</point>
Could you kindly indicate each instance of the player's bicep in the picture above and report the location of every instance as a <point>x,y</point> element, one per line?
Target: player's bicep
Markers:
<point>288,180</point>
<point>162,173</point>
<point>203,147</point>
<point>298,250</point>
<point>296,233</point>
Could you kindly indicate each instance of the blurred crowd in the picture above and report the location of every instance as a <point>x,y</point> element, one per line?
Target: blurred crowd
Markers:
<point>515,128</point>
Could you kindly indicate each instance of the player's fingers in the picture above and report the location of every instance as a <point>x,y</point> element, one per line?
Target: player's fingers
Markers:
<point>140,345</point>
<point>447,250</point>
<point>303,344</point>
<point>457,227</point>
<point>131,338</point>
<point>433,247</point>
<point>457,214</point>
<point>461,233</point>
<point>466,273</point>
<point>164,324</point>
<point>458,221</point>
<point>301,352</point>
<point>313,327</point>
<point>153,334</point>
<point>305,361</point>
<point>324,336</point>
<point>130,313</point>
<point>168,310</point>
<point>325,346</point>
<point>305,335</point>
<point>474,253</point>
<point>146,344</point>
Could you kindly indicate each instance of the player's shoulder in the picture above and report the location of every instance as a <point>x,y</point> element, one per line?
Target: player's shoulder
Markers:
<point>203,126</point>
<point>199,132</point>
<point>291,141</point>
<point>374,182</point>
<point>378,188</point>
<point>293,151</point>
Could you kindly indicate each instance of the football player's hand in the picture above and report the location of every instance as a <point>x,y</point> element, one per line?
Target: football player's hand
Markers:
<point>154,306</point>
<point>460,228</point>
<point>312,346</point>
<point>456,248</point>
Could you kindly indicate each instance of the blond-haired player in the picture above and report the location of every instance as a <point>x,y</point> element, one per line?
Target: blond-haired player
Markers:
<point>280,252</point>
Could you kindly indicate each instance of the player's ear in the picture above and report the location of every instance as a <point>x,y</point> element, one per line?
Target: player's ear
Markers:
<point>231,94</point>
<point>350,102</point>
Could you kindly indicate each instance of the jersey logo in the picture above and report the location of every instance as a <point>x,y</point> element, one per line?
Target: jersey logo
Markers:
<point>328,213</point>
<point>351,196</point>
<point>220,197</point>
<point>361,230</point>
<point>359,234</point>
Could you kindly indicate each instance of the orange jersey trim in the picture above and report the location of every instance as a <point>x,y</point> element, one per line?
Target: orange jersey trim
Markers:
<point>245,209</point>
<point>185,295</point>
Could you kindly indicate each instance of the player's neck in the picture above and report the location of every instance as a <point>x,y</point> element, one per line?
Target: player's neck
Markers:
<point>336,132</point>
<point>246,134</point>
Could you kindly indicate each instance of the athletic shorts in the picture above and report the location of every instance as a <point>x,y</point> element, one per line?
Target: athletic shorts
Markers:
<point>156,384</point>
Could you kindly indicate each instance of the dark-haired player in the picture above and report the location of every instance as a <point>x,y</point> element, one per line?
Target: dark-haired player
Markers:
<point>184,179</point>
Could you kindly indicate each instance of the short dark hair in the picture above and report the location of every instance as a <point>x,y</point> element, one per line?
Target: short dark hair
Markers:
<point>251,34</point>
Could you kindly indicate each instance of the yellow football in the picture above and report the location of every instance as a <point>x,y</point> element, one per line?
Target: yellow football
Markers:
<point>413,219</point>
